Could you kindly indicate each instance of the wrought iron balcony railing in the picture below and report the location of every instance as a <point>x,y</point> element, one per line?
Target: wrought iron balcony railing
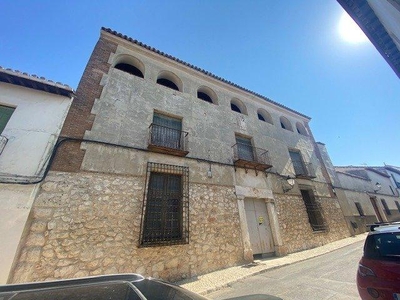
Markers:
<point>168,140</point>
<point>304,170</point>
<point>252,157</point>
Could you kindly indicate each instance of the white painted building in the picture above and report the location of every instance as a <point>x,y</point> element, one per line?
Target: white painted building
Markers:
<point>32,112</point>
<point>370,196</point>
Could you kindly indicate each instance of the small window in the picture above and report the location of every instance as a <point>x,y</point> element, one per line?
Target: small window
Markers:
<point>234,107</point>
<point>301,129</point>
<point>129,69</point>
<point>360,209</point>
<point>5,115</point>
<point>169,80</point>
<point>397,204</point>
<point>168,83</point>
<point>204,96</point>
<point>264,116</point>
<point>285,124</point>
<point>207,94</point>
<point>130,65</point>
<point>386,207</point>
<point>238,106</point>
<point>165,217</point>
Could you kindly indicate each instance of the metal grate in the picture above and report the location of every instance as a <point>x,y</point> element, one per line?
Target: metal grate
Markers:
<point>314,211</point>
<point>386,207</point>
<point>250,153</point>
<point>165,211</point>
<point>359,208</point>
<point>168,137</point>
<point>301,169</point>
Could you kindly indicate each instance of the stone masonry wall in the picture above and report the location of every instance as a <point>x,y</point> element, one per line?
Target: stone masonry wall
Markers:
<point>86,224</point>
<point>296,231</point>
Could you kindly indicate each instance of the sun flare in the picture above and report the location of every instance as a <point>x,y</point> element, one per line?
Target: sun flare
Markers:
<point>349,30</point>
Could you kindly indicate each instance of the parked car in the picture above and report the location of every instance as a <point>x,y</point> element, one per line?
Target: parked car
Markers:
<point>378,275</point>
<point>108,287</point>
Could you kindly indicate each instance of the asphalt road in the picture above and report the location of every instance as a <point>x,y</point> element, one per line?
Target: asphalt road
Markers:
<point>330,276</point>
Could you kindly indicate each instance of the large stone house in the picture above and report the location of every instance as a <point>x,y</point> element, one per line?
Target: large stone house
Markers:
<point>32,112</point>
<point>167,170</point>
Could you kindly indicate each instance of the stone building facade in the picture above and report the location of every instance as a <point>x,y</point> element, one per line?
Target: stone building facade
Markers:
<point>167,170</point>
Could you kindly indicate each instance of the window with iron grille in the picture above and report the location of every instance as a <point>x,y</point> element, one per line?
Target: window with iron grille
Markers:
<point>314,211</point>
<point>298,164</point>
<point>392,190</point>
<point>386,207</point>
<point>397,204</point>
<point>166,131</point>
<point>165,215</point>
<point>359,208</point>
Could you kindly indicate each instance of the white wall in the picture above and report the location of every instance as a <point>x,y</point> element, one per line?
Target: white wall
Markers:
<point>32,132</point>
<point>32,129</point>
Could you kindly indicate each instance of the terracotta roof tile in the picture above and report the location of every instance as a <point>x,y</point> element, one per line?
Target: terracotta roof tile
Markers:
<point>16,77</point>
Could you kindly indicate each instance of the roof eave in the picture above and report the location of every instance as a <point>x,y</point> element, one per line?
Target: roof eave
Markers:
<point>34,82</point>
<point>376,33</point>
<point>129,39</point>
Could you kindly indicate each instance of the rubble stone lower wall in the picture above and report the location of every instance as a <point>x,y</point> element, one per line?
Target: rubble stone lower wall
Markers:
<point>85,224</point>
<point>296,231</point>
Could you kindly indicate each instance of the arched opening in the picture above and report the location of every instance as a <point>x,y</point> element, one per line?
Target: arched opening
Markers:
<point>129,69</point>
<point>207,94</point>
<point>130,65</point>
<point>263,115</point>
<point>285,124</point>
<point>238,106</point>
<point>169,80</point>
<point>301,129</point>
<point>204,96</point>
<point>168,83</point>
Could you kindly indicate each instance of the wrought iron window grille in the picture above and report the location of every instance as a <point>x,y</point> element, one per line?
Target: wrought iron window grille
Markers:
<point>165,210</point>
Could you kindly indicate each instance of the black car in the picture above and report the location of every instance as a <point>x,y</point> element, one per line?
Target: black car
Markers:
<point>107,287</point>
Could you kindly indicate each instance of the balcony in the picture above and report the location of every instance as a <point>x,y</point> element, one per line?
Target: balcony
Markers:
<point>168,140</point>
<point>304,170</point>
<point>251,157</point>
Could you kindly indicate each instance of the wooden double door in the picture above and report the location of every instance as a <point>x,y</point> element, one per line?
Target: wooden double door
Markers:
<point>259,227</point>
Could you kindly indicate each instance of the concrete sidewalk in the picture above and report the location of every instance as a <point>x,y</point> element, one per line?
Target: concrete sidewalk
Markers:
<point>207,283</point>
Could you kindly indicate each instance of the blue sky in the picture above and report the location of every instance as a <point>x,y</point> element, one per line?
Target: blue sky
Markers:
<point>289,51</point>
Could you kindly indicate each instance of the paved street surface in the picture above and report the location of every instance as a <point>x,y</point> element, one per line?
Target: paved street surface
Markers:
<point>329,276</point>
